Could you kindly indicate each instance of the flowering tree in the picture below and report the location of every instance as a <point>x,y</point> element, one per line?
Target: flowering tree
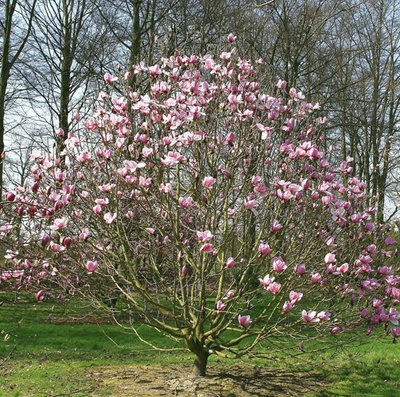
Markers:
<point>208,205</point>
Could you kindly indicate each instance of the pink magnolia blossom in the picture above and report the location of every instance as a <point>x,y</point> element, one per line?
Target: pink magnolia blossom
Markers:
<point>278,264</point>
<point>59,224</point>
<point>244,321</point>
<point>250,204</point>
<point>145,182</point>
<point>230,294</point>
<point>225,56</point>
<point>109,217</point>
<point>295,297</point>
<point>83,236</point>
<point>230,138</point>
<point>287,307</point>
<point>10,196</point>
<point>67,241</point>
<point>184,271</point>
<point>84,156</point>
<point>376,303</point>
<point>310,317</point>
<point>329,258</point>
<point>91,266</point>
<point>276,226</point>
<point>364,313</point>
<point>300,269</point>
<point>343,268</point>
<point>324,315</point>
<point>336,330</point>
<point>102,202</point>
<point>109,78</point>
<point>204,236</point>
<point>208,182</point>
<point>331,269</point>
<point>264,249</point>
<point>220,306</point>
<point>185,202</point>
<point>207,248</point>
<point>389,241</point>
<point>281,84</point>
<point>166,188</point>
<point>394,316</point>
<point>172,159</point>
<point>230,262</point>
<point>370,227</point>
<point>154,70</point>
<point>39,296</point>
<point>314,196</point>
<point>316,278</point>
<point>274,287</point>
<point>330,241</point>
<point>231,38</point>
<point>266,132</point>
<point>6,228</point>
<point>372,249</point>
<point>266,281</point>
<point>395,332</point>
<point>97,209</point>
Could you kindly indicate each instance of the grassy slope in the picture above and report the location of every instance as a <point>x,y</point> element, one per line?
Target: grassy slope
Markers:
<point>46,359</point>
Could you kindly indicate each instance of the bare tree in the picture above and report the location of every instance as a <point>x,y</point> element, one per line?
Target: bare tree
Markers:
<point>367,106</point>
<point>68,47</point>
<point>16,25</point>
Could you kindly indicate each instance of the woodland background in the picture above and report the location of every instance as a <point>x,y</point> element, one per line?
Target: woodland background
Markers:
<point>343,54</point>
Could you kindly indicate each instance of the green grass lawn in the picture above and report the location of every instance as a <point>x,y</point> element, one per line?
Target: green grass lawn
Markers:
<point>40,357</point>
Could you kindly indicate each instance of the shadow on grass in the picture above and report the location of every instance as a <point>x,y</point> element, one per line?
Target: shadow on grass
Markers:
<point>222,381</point>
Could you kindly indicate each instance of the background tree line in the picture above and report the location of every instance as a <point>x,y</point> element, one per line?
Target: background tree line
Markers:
<point>343,54</point>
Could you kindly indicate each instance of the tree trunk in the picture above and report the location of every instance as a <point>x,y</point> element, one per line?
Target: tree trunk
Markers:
<point>136,37</point>
<point>200,364</point>
<point>2,130</point>
<point>65,86</point>
<point>4,76</point>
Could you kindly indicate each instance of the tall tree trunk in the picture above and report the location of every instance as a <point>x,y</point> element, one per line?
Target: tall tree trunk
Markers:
<point>200,364</point>
<point>1,142</point>
<point>136,37</point>
<point>64,99</point>
<point>3,87</point>
<point>5,74</point>
<point>201,356</point>
<point>65,86</point>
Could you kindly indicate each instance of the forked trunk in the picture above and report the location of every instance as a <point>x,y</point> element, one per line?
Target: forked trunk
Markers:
<point>200,364</point>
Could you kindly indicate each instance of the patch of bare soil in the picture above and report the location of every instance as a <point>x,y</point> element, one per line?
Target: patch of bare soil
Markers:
<point>221,381</point>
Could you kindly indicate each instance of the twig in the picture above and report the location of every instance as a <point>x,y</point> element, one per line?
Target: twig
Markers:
<point>265,4</point>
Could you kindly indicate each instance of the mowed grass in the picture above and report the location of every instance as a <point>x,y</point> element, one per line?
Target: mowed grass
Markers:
<point>41,357</point>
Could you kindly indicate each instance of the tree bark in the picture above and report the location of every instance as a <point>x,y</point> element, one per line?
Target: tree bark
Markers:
<point>201,353</point>
<point>200,364</point>
<point>4,76</point>
<point>136,37</point>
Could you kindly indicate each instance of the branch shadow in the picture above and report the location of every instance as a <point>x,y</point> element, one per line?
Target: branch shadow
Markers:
<point>221,381</point>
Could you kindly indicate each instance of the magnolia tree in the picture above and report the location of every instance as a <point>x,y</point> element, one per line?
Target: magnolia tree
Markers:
<point>208,206</point>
